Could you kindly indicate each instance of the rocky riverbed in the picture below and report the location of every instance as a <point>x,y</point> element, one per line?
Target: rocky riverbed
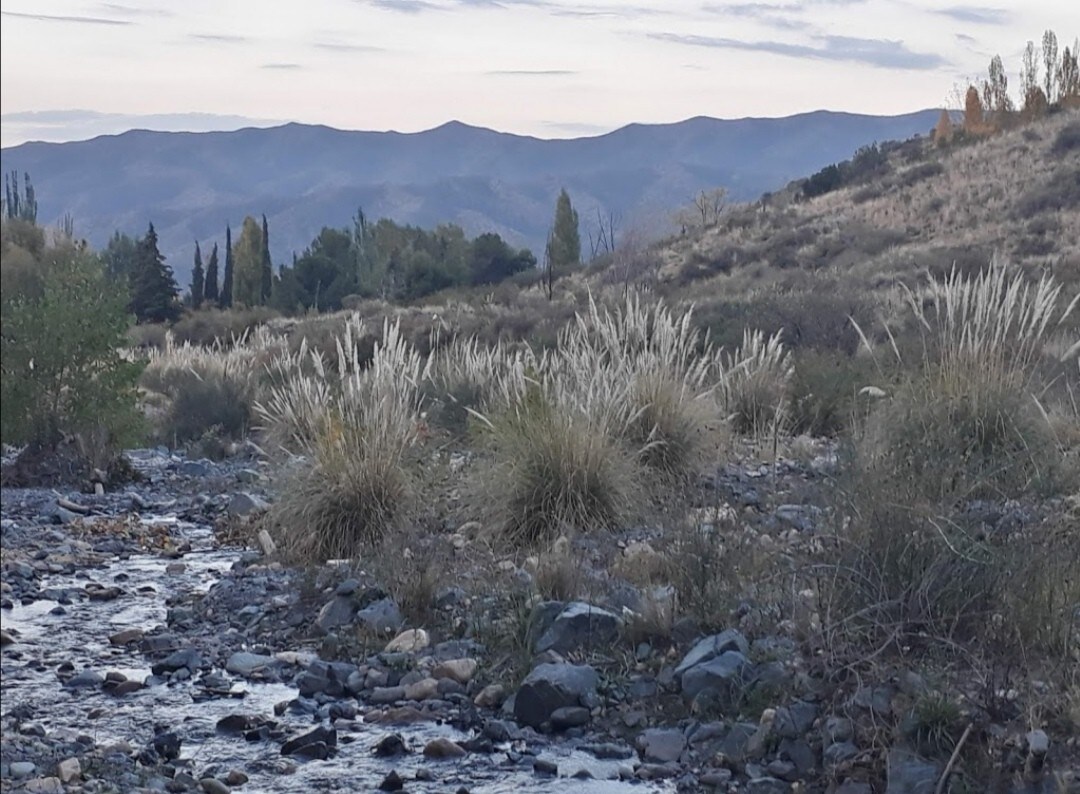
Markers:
<point>141,653</point>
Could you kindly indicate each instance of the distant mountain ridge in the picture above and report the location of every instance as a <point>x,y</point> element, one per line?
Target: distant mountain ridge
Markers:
<point>304,177</point>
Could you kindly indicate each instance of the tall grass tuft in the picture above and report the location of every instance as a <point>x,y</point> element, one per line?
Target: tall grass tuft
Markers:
<point>756,387</point>
<point>355,429</point>
<point>913,557</point>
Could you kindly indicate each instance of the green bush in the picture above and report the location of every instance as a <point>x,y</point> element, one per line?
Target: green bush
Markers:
<point>63,372</point>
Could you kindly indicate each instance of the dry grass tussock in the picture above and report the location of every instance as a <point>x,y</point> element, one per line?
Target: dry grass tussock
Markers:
<point>915,561</point>
<point>209,389</point>
<point>355,430</point>
<point>629,398</point>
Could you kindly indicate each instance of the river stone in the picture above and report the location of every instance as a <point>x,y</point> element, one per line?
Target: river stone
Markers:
<point>6,639</point>
<point>87,679</point>
<point>767,785</point>
<point>552,686</point>
<point>335,613</point>
<point>21,769</point>
<point>186,658</point>
<point>246,664</point>
<point>409,641</point>
<point>424,689</point>
<point>579,625</point>
<point>126,637</point>
<point>661,745</point>
<point>327,737</point>
<point>838,752</point>
<point>719,673</point>
<point>460,670</point>
<point>491,696</point>
<point>44,785</point>
<point>211,785</point>
<point>391,746</point>
<point>194,468</point>
<point>443,748</point>
<point>386,694</point>
<point>570,717</point>
<point>907,773</point>
<point>710,647</point>
<point>382,616</point>
<point>69,770</point>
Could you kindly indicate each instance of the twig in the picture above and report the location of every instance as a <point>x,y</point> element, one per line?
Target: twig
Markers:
<point>952,759</point>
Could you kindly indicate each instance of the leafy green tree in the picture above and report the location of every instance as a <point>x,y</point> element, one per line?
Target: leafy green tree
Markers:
<point>119,256</point>
<point>61,370</point>
<point>210,287</point>
<point>153,287</point>
<point>267,285</point>
<point>198,279</point>
<point>492,260</point>
<point>227,280</point>
<point>247,264</point>
<point>564,243</point>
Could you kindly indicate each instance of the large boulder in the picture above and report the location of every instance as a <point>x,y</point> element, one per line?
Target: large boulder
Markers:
<point>337,612</point>
<point>579,625</point>
<point>552,686</point>
<point>383,616</point>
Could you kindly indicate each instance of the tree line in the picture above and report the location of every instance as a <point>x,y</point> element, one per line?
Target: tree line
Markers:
<point>370,259</point>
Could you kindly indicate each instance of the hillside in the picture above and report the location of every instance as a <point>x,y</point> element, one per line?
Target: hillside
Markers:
<point>305,177</point>
<point>1015,195</point>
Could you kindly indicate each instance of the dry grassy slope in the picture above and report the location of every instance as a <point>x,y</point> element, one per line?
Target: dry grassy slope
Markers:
<point>1010,195</point>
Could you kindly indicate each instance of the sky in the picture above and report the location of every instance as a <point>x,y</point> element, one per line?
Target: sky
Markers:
<point>73,69</point>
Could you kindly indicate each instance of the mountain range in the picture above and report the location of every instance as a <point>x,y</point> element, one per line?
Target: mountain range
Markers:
<point>304,177</point>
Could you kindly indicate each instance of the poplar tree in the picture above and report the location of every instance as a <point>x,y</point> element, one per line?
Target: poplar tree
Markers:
<point>198,279</point>
<point>267,267</point>
<point>564,242</point>
<point>227,280</point>
<point>210,288</point>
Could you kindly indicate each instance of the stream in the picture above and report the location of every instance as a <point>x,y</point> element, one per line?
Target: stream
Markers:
<point>65,632</point>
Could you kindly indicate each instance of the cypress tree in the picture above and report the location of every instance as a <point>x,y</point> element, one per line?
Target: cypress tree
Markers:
<point>267,268</point>
<point>564,243</point>
<point>210,289</point>
<point>153,287</point>
<point>227,281</point>
<point>198,279</point>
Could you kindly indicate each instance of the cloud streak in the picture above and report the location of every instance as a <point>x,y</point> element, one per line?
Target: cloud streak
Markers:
<point>977,15</point>
<point>66,18</point>
<point>218,38</point>
<point>773,16</point>
<point>882,53</point>
<point>530,72</point>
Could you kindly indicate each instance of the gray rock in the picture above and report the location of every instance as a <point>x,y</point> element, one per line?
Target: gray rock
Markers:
<point>383,616</point>
<point>800,753</point>
<point>335,613</point>
<point>767,785</point>
<point>800,517</point>
<point>387,694</point>
<point>710,647</point>
<point>245,664</point>
<point>348,587</point>
<point>552,686</point>
<point>194,468</point>
<point>661,745</point>
<point>21,769</point>
<point>243,503</point>
<point>185,658</point>
<point>721,674</point>
<point>907,773</point>
<point>838,752</point>
<point>839,729</point>
<point>569,717</point>
<point>211,785</point>
<point>87,679</point>
<point>794,720</point>
<point>580,625</point>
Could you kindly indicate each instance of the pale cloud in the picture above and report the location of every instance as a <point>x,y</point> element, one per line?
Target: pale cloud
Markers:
<point>69,18</point>
<point>979,15</point>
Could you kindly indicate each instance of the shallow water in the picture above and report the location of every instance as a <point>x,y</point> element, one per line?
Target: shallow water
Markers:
<point>80,636</point>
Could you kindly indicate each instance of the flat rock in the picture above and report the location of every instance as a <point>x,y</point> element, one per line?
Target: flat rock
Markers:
<point>245,664</point>
<point>661,745</point>
<point>718,673</point>
<point>710,647</point>
<point>580,625</point>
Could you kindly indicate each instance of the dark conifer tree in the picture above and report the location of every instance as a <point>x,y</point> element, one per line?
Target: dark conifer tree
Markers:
<point>267,268</point>
<point>153,287</point>
<point>210,290</point>
<point>198,279</point>
<point>227,281</point>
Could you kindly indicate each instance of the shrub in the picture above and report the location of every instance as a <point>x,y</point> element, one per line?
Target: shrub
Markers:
<point>1067,140</point>
<point>823,391</point>
<point>63,371</point>
<point>210,326</point>
<point>356,435</point>
<point>206,403</point>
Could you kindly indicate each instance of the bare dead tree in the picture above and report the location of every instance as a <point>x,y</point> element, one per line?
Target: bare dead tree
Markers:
<point>604,240</point>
